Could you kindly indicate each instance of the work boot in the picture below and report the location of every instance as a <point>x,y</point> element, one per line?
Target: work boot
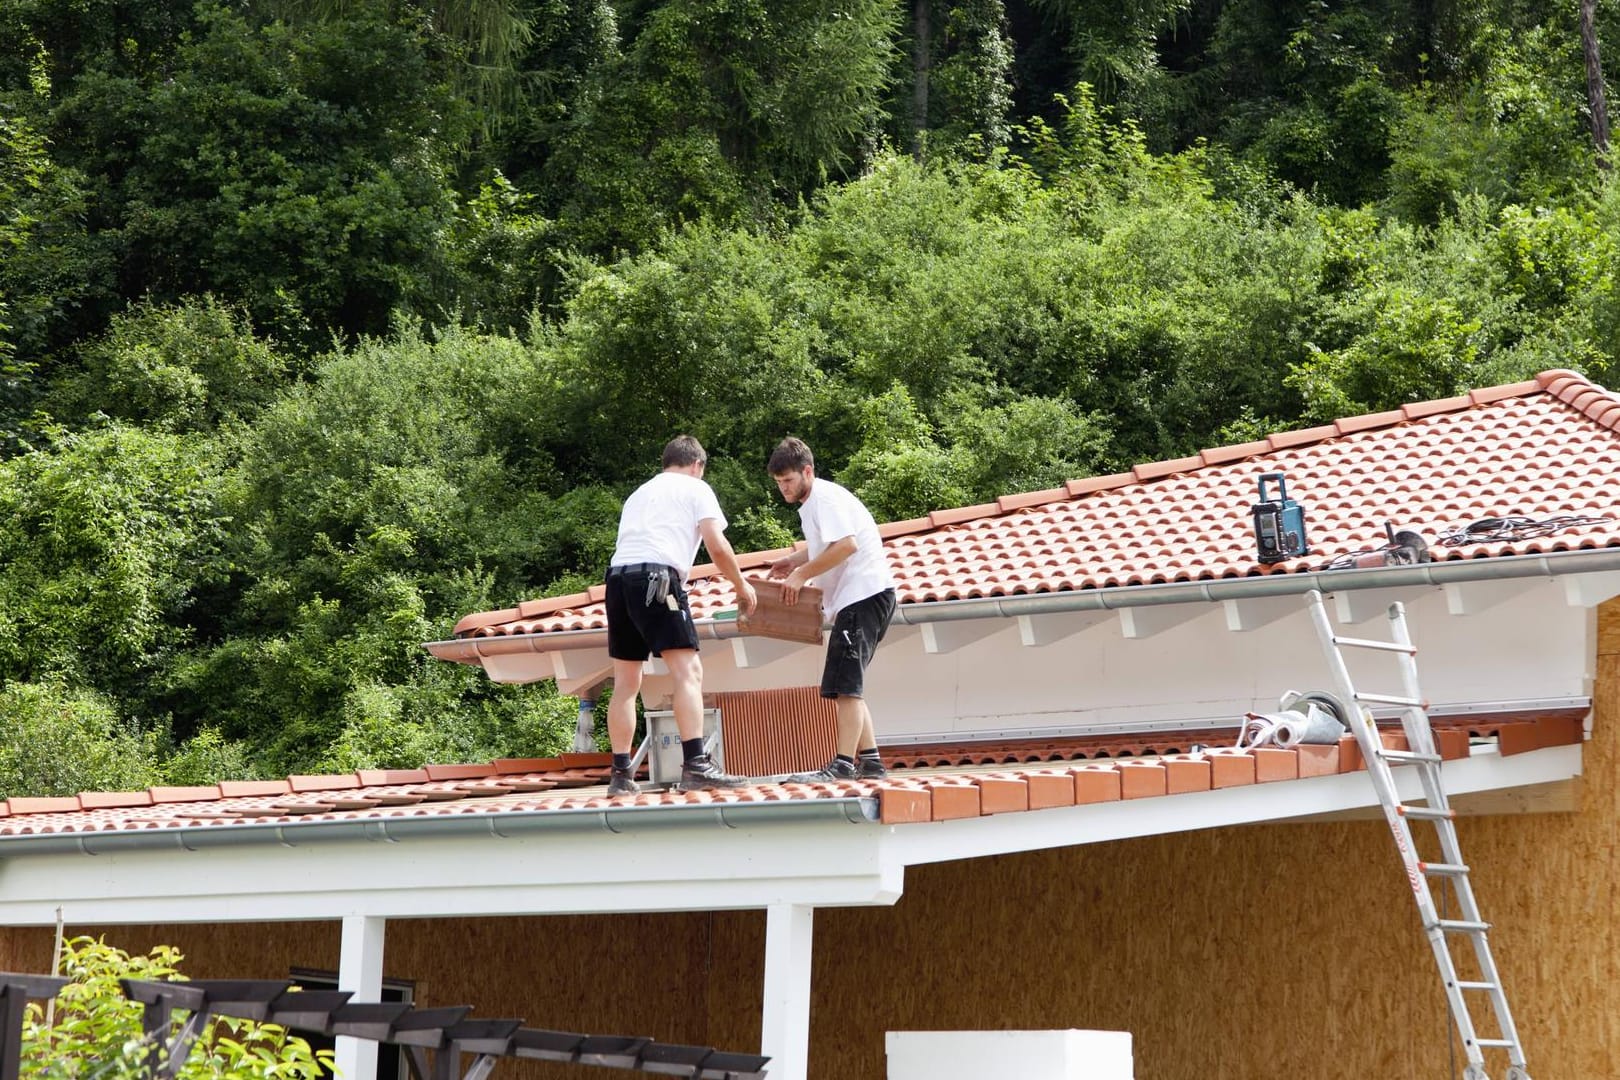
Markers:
<point>620,783</point>
<point>702,774</point>
<point>830,773</point>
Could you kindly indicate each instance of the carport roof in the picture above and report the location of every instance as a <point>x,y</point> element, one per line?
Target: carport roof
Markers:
<point>929,784</point>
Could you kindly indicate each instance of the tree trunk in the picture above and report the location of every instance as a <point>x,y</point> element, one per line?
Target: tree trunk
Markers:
<point>1596,102</point>
<point>919,73</point>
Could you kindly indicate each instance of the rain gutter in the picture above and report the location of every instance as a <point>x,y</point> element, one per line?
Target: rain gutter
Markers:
<point>1112,598</point>
<point>498,824</point>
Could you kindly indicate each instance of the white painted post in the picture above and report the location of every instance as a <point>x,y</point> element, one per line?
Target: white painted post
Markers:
<point>785,1035</point>
<point>360,970</point>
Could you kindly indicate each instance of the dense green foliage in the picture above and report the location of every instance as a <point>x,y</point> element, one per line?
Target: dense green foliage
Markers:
<point>323,324</point>
<point>93,1031</point>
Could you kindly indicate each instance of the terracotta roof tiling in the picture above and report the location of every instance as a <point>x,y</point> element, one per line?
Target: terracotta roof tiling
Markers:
<point>940,782</point>
<point>1543,447</point>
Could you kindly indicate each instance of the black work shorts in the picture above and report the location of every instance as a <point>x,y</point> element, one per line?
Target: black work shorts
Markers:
<point>856,631</point>
<point>637,628</point>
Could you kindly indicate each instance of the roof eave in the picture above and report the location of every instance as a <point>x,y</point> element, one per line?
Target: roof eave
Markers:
<point>612,819</point>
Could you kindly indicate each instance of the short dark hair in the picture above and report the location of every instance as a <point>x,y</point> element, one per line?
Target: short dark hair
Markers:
<point>790,455</point>
<point>684,450</point>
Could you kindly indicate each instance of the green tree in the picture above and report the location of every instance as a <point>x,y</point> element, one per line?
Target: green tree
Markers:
<point>194,366</point>
<point>60,740</point>
<point>49,267</point>
<point>483,39</point>
<point>104,536</point>
<point>953,85</point>
<point>297,171</point>
<point>721,107</point>
<point>1514,133</point>
<point>401,487</point>
<point>1485,297</point>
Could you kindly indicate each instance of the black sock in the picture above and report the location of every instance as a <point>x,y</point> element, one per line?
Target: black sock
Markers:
<point>621,762</point>
<point>691,748</point>
<point>846,758</point>
<point>870,754</point>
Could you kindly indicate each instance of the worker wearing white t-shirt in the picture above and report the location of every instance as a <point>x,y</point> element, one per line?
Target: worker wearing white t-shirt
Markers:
<point>844,558</point>
<point>647,610</point>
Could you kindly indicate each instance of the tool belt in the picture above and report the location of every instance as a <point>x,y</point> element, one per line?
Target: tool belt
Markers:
<point>661,580</point>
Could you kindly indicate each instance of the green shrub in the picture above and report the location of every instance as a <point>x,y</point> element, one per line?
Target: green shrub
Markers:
<point>92,1031</point>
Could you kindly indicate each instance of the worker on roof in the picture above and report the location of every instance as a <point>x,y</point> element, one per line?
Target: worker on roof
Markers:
<point>844,558</point>
<point>647,611</point>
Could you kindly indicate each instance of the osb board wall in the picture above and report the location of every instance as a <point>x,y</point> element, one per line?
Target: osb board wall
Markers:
<point>1268,951</point>
<point>1259,952</point>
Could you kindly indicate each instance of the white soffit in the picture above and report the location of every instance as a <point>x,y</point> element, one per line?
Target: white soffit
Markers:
<point>581,669</point>
<point>1590,590</point>
<point>1586,577</point>
<point>518,667</point>
<point>1353,606</point>
<point>1257,611</point>
<point>1038,631</point>
<point>940,638</point>
<point>759,652</point>
<point>1474,597</point>
<point>1139,623</point>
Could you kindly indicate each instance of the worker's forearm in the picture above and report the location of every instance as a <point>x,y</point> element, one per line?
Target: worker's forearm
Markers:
<point>726,559</point>
<point>834,553</point>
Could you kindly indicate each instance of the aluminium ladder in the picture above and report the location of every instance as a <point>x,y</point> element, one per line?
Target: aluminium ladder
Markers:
<point>1423,755</point>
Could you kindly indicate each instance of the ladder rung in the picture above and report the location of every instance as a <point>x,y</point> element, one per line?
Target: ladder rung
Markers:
<point>1365,643</point>
<point>1443,869</point>
<point>1391,699</point>
<point>1461,926</point>
<point>1476,986</point>
<point>1427,813</point>
<point>1500,1044</point>
<point>1410,757</point>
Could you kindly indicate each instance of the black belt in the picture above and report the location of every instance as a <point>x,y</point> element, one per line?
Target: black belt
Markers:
<point>642,568</point>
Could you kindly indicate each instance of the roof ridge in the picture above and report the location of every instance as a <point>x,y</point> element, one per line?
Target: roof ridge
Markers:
<point>1565,384</point>
<point>1596,403</point>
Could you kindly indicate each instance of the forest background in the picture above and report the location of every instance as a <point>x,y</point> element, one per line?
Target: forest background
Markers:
<point>326,322</point>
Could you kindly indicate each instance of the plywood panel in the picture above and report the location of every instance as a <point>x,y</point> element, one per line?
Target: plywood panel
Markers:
<point>1608,620</point>
<point>1265,951</point>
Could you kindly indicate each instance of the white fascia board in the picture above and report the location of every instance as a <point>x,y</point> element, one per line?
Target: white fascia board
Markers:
<point>1097,823</point>
<point>671,867</point>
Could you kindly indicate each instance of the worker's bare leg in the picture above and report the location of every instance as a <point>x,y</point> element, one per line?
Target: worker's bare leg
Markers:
<point>686,669</point>
<point>853,722</point>
<point>868,739</point>
<point>622,708</point>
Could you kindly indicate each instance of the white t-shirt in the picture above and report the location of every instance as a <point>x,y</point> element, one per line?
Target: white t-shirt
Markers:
<point>828,515</point>
<point>659,523</point>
